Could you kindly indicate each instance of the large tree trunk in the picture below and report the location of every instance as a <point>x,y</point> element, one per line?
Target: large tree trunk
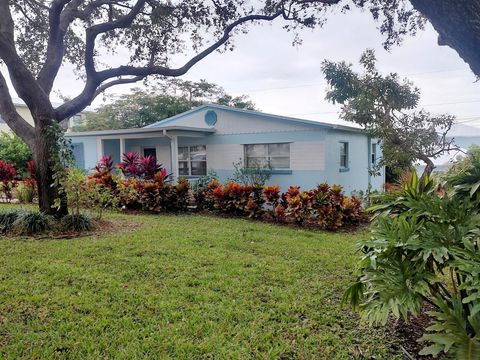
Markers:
<point>47,191</point>
<point>458,25</point>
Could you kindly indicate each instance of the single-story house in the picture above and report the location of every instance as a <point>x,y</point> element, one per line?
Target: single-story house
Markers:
<point>213,137</point>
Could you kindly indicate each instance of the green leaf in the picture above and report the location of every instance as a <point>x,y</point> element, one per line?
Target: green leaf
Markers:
<point>474,188</point>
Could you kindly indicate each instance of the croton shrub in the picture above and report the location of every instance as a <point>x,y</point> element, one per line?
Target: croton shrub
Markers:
<point>326,206</point>
<point>142,184</point>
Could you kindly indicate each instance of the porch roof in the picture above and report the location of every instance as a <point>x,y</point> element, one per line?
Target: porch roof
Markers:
<point>141,131</point>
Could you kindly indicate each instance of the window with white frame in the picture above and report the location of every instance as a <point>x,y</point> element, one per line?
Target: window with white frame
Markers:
<point>275,156</point>
<point>374,153</point>
<point>344,155</point>
<point>192,160</point>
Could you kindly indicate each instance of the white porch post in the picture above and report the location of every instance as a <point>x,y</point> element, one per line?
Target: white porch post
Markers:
<point>122,147</point>
<point>99,148</point>
<point>174,156</point>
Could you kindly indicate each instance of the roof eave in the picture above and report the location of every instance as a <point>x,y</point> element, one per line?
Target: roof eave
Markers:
<point>139,131</point>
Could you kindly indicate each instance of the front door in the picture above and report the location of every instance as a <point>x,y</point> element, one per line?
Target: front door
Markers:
<point>150,152</point>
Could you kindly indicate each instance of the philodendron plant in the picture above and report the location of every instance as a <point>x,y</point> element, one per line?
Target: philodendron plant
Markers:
<point>425,248</point>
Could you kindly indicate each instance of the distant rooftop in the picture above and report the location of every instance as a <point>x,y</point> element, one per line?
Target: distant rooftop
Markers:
<point>20,102</point>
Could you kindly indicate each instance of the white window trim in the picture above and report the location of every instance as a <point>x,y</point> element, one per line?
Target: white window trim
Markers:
<point>189,161</point>
<point>268,156</point>
<point>347,155</point>
<point>374,157</point>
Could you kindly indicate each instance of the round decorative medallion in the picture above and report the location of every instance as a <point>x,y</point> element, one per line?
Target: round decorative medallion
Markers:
<point>211,118</point>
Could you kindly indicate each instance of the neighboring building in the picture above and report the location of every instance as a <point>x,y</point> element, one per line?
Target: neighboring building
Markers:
<point>24,112</point>
<point>300,152</point>
<point>463,136</point>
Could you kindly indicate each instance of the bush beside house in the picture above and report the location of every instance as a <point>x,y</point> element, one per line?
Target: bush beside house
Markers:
<point>144,185</point>
<point>141,184</point>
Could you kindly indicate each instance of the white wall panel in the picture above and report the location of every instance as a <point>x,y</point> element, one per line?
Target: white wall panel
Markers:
<point>163,156</point>
<point>222,156</point>
<point>307,155</point>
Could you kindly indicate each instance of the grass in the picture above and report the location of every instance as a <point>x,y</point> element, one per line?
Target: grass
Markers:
<point>183,287</point>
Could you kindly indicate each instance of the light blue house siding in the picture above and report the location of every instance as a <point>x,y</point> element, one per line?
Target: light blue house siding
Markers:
<point>89,149</point>
<point>314,148</point>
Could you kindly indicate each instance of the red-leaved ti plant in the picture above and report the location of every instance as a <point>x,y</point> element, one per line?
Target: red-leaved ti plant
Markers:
<point>130,165</point>
<point>31,179</point>
<point>148,167</point>
<point>7,178</point>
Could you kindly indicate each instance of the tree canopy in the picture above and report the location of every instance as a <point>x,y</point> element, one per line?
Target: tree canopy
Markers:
<point>165,99</point>
<point>386,106</point>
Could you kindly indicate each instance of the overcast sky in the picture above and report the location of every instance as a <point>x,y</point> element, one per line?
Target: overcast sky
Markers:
<point>287,80</point>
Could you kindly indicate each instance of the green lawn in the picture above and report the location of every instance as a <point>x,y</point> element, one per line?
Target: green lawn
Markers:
<point>183,287</point>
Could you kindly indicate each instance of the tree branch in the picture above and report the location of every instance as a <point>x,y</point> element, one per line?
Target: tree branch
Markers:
<point>120,81</point>
<point>94,31</point>
<point>96,78</point>
<point>55,47</point>
<point>10,115</point>
<point>22,79</point>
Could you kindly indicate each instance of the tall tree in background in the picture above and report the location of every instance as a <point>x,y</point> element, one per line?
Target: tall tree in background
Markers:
<point>81,32</point>
<point>165,99</point>
<point>201,92</point>
<point>386,106</point>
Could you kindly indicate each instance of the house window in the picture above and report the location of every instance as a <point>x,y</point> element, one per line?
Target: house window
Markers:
<point>374,154</point>
<point>192,160</point>
<point>344,155</point>
<point>276,156</point>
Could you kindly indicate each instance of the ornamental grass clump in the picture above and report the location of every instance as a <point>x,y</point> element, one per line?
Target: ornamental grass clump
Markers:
<point>31,223</point>
<point>7,219</point>
<point>24,193</point>
<point>76,222</point>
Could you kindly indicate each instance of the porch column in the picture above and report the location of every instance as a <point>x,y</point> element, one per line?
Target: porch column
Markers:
<point>99,148</point>
<point>122,147</point>
<point>174,156</point>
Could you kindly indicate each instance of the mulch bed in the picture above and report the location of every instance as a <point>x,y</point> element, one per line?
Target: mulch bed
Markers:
<point>409,332</point>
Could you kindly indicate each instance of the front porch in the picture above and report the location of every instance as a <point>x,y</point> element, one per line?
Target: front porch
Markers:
<point>166,144</point>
